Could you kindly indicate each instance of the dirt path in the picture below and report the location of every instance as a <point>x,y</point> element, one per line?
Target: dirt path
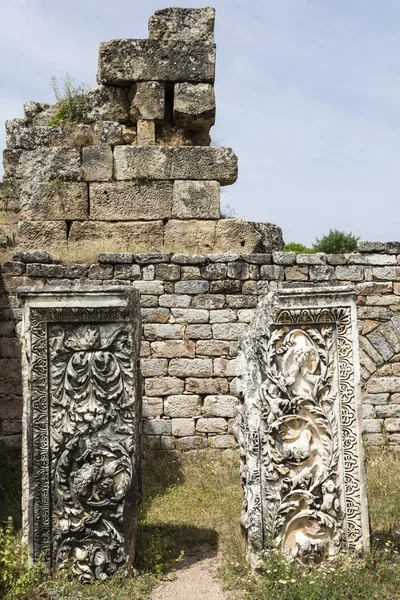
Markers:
<point>195,582</point>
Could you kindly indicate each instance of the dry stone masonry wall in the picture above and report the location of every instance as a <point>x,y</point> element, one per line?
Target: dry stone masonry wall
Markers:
<point>139,174</point>
<point>195,308</point>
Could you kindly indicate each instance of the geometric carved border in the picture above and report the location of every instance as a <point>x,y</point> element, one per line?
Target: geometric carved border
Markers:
<point>40,512</point>
<point>327,319</point>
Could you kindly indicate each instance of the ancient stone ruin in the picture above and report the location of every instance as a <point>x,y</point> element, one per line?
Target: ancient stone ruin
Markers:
<point>301,447</point>
<point>140,174</point>
<point>129,201</point>
<point>82,412</point>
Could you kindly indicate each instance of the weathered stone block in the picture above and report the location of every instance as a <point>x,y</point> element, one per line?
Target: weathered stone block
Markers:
<point>197,385</point>
<point>190,315</point>
<point>212,348</point>
<point>157,427</point>
<point>386,273</point>
<point>367,246</point>
<point>182,427</point>
<point>106,103</point>
<point>180,162</point>
<point>372,259</point>
<point>163,386</point>
<point>220,406</point>
<point>62,164</point>
<point>40,270</point>
<point>194,106</point>
<point>284,258</point>
<point>168,273</point>
<point>20,136</point>
<point>224,367</point>
<point>54,200</point>
<point>184,405</point>
<point>42,234</point>
<point>90,453</point>
<point>175,301</point>
<point>191,367</point>
<point>115,258</point>
<point>134,235</point>
<point>130,201</point>
<point>155,315</point>
<point>188,236</point>
<point>148,101</point>
<point>125,61</point>
<point>272,272</point>
<point>226,315</point>
<point>196,200</point>
<point>271,236</point>
<point>97,163</point>
<point>322,273</point>
<point>350,273</point>
<point>228,331</point>
<point>192,286</point>
<point>209,301</point>
<point>235,235</point>
<point>154,367</point>
<point>173,348</point>
<point>149,287</point>
<point>168,331</point>
<point>211,425</point>
<point>127,272</point>
<point>152,407</point>
<point>187,24</point>
<point>296,273</point>
<point>108,133</point>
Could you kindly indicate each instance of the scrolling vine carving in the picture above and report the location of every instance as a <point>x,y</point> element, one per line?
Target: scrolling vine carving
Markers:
<point>300,463</point>
<point>84,405</point>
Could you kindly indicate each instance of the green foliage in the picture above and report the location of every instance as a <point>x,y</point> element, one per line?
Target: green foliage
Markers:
<point>298,248</point>
<point>71,102</point>
<point>336,242</point>
<point>349,577</point>
<point>17,579</point>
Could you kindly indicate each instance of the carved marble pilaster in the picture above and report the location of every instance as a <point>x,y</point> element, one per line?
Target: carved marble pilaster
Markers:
<point>82,413</point>
<point>302,461</point>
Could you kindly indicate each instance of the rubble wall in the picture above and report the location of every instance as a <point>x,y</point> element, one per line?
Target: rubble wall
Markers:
<point>195,309</point>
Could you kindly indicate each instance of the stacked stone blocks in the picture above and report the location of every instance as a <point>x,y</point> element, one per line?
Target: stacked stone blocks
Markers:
<point>140,174</point>
<point>195,308</point>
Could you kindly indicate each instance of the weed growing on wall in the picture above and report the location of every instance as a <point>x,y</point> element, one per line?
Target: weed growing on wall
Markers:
<point>71,102</point>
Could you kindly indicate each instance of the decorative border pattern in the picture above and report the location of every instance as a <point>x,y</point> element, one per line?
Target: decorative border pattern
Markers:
<point>341,319</point>
<point>278,344</point>
<point>39,448</point>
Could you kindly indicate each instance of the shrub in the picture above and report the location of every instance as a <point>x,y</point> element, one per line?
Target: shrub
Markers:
<point>336,242</point>
<point>17,579</point>
<point>298,248</point>
<point>71,102</point>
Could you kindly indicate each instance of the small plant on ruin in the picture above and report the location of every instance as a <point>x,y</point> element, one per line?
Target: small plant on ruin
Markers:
<point>71,102</point>
<point>228,212</point>
<point>17,579</point>
<point>336,242</point>
<point>298,248</point>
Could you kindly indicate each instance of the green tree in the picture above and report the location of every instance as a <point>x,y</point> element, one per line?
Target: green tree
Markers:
<point>298,248</point>
<point>336,242</point>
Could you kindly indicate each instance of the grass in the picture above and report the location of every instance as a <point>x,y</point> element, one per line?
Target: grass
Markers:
<point>191,507</point>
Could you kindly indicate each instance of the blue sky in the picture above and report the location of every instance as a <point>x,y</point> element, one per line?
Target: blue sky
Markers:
<point>308,96</point>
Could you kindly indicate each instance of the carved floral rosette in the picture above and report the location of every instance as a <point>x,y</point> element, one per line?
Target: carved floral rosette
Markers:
<point>83,406</point>
<point>300,429</point>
